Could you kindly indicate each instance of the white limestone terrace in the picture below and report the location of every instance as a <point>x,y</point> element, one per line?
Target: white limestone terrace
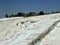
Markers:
<point>36,30</point>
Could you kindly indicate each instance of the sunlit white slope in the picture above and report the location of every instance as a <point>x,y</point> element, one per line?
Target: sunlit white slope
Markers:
<point>25,31</point>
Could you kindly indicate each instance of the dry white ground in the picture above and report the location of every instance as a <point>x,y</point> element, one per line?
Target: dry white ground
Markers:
<point>37,30</point>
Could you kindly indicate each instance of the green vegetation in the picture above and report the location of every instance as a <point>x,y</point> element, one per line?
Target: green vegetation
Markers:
<point>20,14</point>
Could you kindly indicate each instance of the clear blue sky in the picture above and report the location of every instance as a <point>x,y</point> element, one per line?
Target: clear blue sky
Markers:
<point>15,6</point>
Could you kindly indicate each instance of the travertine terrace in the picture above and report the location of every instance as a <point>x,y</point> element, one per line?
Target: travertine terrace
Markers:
<point>36,30</point>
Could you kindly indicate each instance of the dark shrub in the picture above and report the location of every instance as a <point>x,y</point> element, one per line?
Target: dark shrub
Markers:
<point>6,15</point>
<point>41,13</point>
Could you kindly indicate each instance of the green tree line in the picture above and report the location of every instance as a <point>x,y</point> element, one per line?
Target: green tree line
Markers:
<point>20,14</point>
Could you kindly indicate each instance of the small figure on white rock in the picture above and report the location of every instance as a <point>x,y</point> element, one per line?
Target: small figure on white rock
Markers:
<point>17,24</point>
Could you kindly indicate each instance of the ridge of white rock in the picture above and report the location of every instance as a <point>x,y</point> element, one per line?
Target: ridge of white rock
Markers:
<point>37,30</point>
